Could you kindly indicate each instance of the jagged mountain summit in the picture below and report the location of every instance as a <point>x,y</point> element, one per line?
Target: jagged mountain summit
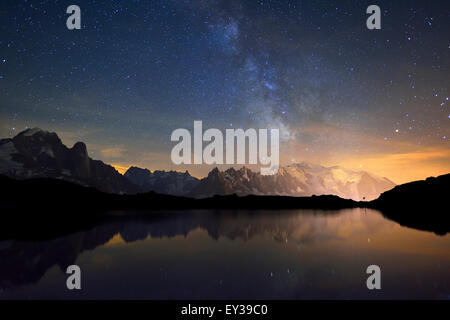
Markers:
<point>165,182</point>
<point>37,153</point>
<point>301,179</point>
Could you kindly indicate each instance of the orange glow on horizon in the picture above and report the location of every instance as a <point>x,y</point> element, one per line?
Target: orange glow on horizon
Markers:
<point>402,167</point>
<point>395,158</point>
<point>121,168</point>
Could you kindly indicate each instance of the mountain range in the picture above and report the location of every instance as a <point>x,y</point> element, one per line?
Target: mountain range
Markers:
<point>35,153</point>
<point>298,180</point>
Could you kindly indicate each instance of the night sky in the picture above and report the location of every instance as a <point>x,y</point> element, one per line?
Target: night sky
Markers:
<point>341,94</point>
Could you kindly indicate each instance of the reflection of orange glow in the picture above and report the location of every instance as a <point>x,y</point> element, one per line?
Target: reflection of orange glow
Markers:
<point>117,239</point>
<point>363,229</point>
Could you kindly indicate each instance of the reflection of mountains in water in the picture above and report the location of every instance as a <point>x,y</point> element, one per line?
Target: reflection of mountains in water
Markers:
<point>300,227</point>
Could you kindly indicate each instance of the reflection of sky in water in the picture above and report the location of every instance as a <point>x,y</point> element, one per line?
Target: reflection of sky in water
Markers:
<point>296,254</point>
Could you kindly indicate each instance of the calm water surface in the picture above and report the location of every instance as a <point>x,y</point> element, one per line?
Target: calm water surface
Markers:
<point>298,254</point>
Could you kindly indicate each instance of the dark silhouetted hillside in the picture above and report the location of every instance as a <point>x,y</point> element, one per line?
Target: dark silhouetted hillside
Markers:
<point>419,204</point>
<point>64,196</point>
